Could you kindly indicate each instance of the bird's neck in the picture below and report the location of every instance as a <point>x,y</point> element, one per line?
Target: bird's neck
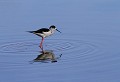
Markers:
<point>52,30</point>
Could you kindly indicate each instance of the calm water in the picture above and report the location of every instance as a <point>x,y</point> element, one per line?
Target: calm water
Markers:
<point>89,44</point>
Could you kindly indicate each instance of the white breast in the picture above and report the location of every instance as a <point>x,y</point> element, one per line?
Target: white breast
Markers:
<point>49,33</point>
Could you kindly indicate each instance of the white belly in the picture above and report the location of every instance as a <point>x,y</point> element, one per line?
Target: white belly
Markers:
<point>45,34</point>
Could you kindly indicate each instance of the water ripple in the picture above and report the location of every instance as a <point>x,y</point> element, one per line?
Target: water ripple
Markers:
<point>57,45</point>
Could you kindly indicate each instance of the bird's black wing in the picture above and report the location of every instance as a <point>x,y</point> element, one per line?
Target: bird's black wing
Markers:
<point>42,30</point>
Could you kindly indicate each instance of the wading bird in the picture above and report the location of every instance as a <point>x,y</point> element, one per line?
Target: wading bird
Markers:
<point>44,32</point>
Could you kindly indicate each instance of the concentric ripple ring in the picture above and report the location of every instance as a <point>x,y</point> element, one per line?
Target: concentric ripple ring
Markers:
<point>57,45</point>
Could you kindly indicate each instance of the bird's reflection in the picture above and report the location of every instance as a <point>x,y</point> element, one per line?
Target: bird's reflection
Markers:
<point>47,56</point>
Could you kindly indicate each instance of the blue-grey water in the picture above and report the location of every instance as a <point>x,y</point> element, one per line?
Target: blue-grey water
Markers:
<point>89,42</point>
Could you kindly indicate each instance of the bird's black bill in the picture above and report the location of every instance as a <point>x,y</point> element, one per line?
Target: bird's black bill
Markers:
<point>58,30</point>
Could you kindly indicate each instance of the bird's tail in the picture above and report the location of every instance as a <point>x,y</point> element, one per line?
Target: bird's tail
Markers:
<point>31,31</point>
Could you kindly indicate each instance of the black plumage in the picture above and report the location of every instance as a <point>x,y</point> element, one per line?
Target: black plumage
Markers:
<point>40,30</point>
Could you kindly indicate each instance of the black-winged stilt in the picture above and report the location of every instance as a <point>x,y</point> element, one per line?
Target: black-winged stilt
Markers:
<point>44,32</point>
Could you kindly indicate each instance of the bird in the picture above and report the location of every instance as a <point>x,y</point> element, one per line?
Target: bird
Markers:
<point>45,32</point>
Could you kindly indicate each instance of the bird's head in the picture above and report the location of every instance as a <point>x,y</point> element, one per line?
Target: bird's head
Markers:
<point>52,27</point>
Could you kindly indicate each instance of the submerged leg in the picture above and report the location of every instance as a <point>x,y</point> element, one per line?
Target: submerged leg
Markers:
<point>41,46</point>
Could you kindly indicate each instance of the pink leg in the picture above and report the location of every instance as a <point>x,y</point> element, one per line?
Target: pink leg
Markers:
<point>41,46</point>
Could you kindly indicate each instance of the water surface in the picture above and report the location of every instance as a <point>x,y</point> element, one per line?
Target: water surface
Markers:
<point>89,42</point>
